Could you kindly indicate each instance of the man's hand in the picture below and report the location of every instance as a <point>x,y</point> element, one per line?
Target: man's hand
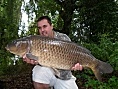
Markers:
<point>77,67</point>
<point>30,61</point>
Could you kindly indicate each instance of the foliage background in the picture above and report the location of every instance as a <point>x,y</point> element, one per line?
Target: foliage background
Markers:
<point>91,23</point>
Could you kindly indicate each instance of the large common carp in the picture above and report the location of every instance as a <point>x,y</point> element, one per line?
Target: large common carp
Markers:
<point>57,54</point>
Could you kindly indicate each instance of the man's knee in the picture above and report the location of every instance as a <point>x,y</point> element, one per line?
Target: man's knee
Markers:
<point>41,85</point>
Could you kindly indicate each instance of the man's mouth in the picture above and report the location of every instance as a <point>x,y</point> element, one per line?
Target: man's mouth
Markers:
<point>44,34</point>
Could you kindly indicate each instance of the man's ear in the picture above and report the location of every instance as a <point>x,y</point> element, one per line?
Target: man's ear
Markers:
<point>52,26</point>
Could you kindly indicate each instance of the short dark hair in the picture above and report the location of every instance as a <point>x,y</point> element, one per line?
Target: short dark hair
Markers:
<point>45,17</point>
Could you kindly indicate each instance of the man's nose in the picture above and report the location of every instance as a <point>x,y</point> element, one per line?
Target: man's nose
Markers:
<point>42,29</point>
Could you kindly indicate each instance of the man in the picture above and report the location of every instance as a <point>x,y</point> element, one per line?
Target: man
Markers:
<point>43,77</point>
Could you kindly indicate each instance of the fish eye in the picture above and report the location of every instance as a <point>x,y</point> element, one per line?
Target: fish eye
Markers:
<point>17,43</point>
<point>14,42</point>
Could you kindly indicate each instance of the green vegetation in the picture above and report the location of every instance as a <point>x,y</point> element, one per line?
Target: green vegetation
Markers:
<point>91,23</point>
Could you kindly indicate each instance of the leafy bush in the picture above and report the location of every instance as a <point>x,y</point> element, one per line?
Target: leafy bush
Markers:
<point>106,51</point>
<point>111,84</point>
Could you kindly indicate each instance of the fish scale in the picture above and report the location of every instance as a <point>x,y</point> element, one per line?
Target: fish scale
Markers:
<point>51,54</point>
<point>58,54</point>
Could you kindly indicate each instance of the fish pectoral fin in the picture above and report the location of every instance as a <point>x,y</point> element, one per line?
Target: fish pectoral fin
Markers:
<point>30,56</point>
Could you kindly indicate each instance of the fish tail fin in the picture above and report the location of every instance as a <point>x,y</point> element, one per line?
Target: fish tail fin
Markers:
<point>104,67</point>
<point>101,68</point>
<point>97,74</point>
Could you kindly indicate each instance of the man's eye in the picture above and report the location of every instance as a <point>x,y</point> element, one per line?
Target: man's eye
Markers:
<point>45,26</point>
<point>39,27</point>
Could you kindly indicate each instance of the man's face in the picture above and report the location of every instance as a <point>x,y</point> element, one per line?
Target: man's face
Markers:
<point>44,28</point>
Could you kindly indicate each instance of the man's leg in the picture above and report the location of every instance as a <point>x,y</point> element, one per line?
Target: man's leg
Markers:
<point>66,84</point>
<point>42,77</point>
<point>41,85</point>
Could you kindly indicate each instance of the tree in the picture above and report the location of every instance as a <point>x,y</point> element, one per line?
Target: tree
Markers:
<point>9,19</point>
<point>94,18</point>
<point>83,20</point>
